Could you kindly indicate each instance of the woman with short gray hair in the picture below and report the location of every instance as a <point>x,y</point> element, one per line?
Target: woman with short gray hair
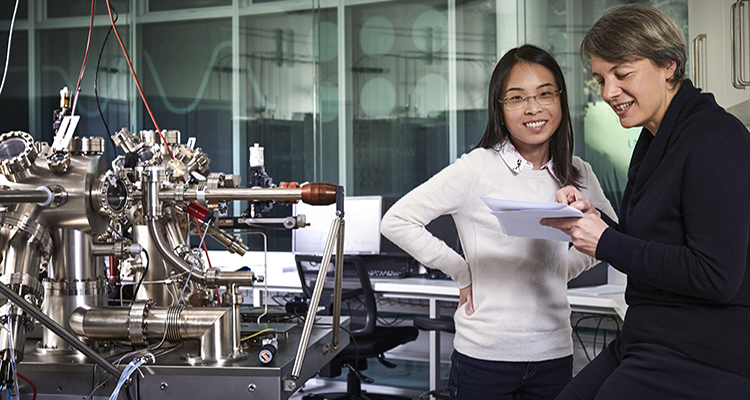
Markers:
<point>684,226</point>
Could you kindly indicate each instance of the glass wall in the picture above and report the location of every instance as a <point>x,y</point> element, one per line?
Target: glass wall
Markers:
<point>559,26</point>
<point>397,72</point>
<point>374,95</point>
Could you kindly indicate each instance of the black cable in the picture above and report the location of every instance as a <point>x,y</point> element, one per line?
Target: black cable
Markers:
<point>596,331</point>
<point>575,330</point>
<point>356,346</point>
<point>143,275</point>
<point>96,91</point>
<point>580,340</point>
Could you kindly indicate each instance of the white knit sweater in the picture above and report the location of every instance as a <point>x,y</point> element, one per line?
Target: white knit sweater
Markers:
<point>519,285</point>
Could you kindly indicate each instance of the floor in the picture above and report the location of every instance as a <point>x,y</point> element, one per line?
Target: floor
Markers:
<point>409,379</point>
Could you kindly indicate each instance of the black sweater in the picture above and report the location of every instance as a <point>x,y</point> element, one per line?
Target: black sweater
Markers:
<point>684,234</point>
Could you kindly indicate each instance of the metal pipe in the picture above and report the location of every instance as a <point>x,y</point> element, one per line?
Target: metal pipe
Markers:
<point>241,278</point>
<point>118,249</point>
<point>232,243</point>
<point>58,330</point>
<point>214,195</point>
<point>23,196</point>
<point>315,193</point>
<point>315,299</point>
<point>110,323</point>
<point>163,246</point>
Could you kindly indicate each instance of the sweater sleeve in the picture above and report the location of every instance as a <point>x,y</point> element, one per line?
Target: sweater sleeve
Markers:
<point>592,190</point>
<point>404,223</point>
<point>714,212</point>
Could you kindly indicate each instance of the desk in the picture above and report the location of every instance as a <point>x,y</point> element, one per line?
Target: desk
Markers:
<point>282,277</point>
<point>607,299</point>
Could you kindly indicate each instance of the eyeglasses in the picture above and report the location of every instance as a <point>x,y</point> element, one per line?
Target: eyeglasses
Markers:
<point>544,98</point>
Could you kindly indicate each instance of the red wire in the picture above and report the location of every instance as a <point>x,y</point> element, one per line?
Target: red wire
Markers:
<point>198,225</point>
<point>29,382</point>
<point>135,78</point>
<point>86,56</point>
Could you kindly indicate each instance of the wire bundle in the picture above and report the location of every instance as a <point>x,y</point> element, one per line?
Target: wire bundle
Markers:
<point>129,369</point>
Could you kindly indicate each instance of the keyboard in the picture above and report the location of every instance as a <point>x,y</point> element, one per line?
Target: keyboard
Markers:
<point>377,273</point>
<point>377,267</point>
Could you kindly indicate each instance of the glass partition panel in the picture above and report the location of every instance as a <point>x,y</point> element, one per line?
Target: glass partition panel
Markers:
<point>14,100</point>
<point>397,76</point>
<point>288,65</point>
<point>476,56</point>
<point>6,12</point>
<point>78,8</point>
<point>559,26</point>
<point>61,56</point>
<point>186,77</point>
<point>165,5</point>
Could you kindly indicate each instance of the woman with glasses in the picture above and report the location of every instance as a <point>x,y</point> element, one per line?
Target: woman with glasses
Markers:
<point>513,334</point>
<point>684,228</point>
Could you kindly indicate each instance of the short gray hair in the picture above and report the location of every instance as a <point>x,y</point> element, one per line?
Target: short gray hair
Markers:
<point>630,32</point>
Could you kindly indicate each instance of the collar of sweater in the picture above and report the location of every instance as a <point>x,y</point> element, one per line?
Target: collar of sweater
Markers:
<point>515,161</point>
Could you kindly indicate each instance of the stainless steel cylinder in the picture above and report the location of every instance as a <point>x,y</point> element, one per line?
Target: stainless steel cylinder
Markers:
<point>213,326</point>
<point>87,145</point>
<point>73,207</point>
<point>76,278</point>
<point>152,182</point>
<point>73,257</point>
<point>157,269</point>
<point>126,140</point>
<point>150,137</point>
<point>60,300</point>
<point>22,196</point>
<point>172,137</point>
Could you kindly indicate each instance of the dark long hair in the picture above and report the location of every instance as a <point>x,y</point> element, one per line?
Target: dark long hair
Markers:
<point>561,142</point>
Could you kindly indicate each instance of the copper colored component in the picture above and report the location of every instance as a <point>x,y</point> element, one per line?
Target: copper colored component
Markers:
<point>114,270</point>
<point>289,185</point>
<point>319,193</point>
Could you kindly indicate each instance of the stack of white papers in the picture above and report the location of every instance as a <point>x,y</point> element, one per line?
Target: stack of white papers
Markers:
<point>521,218</point>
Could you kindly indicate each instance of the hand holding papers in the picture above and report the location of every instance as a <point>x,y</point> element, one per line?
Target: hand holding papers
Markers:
<point>521,218</point>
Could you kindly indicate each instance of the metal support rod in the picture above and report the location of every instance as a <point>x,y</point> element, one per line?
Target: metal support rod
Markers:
<point>315,298</point>
<point>236,345</point>
<point>226,194</point>
<point>23,196</point>
<point>50,324</point>
<point>338,277</point>
<point>315,193</point>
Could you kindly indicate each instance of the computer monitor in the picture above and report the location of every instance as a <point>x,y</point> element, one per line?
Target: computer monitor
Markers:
<point>361,228</point>
<point>362,236</point>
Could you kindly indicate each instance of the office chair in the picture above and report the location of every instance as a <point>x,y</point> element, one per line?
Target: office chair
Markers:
<point>368,339</point>
<point>438,325</point>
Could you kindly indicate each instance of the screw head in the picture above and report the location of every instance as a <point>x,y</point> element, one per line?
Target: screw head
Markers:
<point>251,388</point>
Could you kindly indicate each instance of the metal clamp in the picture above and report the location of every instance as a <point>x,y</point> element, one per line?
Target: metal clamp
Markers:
<point>136,321</point>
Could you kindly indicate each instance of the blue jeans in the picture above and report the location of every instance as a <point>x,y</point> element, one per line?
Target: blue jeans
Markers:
<point>474,379</point>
